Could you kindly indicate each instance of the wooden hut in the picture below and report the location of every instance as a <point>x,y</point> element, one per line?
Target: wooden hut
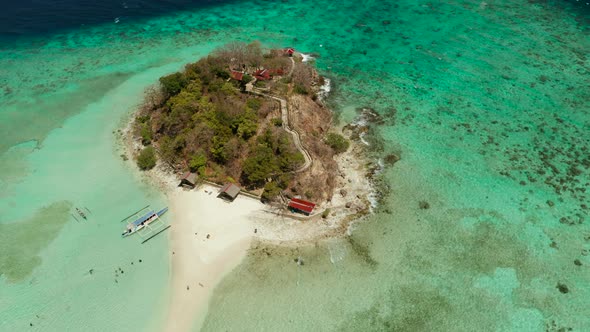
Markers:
<point>188,180</point>
<point>229,192</point>
<point>301,206</point>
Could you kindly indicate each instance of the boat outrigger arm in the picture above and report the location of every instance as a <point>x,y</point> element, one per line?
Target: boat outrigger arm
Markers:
<point>135,213</point>
<point>145,222</point>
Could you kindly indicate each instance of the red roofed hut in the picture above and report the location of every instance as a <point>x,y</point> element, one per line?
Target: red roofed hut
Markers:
<point>289,51</point>
<point>262,74</point>
<point>301,206</point>
<point>277,71</point>
<point>237,75</point>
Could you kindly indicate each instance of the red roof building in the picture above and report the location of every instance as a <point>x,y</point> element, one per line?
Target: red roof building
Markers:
<point>277,71</point>
<point>237,75</point>
<point>301,206</point>
<point>262,74</point>
<point>289,51</point>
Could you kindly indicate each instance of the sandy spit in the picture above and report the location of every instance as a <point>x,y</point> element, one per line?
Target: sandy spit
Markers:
<point>209,238</point>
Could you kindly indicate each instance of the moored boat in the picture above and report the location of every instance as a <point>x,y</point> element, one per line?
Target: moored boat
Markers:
<point>143,222</point>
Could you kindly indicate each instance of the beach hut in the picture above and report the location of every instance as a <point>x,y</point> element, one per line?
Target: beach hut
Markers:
<point>301,206</point>
<point>289,51</point>
<point>188,180</point>
<point>229,192</point>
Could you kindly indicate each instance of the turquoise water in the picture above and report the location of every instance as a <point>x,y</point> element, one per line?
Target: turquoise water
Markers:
<point>486,104</point>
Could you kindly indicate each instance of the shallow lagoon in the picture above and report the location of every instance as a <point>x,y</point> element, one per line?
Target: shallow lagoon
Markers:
<point>485,104</point>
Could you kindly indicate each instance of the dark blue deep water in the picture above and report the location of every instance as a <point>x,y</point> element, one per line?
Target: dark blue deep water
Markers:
<point>34,17</point>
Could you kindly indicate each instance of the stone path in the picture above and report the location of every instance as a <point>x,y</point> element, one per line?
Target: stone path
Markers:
<point>285,120</point>
<point>294,133</point>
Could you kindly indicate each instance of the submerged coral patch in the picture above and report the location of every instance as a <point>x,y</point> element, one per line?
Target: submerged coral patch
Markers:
<point>21,242</point>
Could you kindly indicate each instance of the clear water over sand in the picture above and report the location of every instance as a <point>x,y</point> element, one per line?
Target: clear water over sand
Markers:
<point>487,105</point>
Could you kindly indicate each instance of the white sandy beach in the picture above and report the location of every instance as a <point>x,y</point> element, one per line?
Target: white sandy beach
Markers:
<point>198,263</point>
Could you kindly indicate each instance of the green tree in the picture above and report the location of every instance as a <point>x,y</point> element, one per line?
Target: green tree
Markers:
<point>290,161</point>
<point>216,85</point>
<point>254,103</point>
<point>185,101</point>
<point>248,124</point>
<point>205,105</point>
<point>197,161</point>
<point>247,128</point>
<point>260,165</point>
<point>146,133</point>
<point>300,89</point>
<point>247,79</point>
<point>218,149</point>
<point>166,149</point>
<point>173,83</point>
<point>147,158</point>
<point>195,87</point>
<point>228,89</point>
<point>192,71</point>
<point>271,191</point>
<point>277,122</point>
<point>337,142</point>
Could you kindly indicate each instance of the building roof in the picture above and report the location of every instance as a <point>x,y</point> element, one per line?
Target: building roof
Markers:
<point>237,75</point>
<point>302,205</point>
<point>278,71</point>
<point>262,74</point>
<point>304,202</point>
<point>190,177</point>
<point>289,50</point>
<point>230,189</point>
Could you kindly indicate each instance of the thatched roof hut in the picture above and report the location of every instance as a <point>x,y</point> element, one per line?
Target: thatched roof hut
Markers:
<point>229,192</point>
<point>188,180</point>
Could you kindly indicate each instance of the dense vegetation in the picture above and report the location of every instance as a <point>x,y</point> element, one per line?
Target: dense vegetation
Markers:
<point>200,121</point>
<point>147,158</point>
<point>337,142</point>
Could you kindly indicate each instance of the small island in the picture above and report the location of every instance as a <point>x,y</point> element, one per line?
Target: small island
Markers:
<point>256,119</point>
<point>248,125</point>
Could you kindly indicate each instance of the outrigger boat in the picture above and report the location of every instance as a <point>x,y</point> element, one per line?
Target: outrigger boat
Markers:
<point>82,214</point>
<point>143,222</point>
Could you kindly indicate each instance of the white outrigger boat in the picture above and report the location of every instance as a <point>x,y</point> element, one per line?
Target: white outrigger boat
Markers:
<point>143,222</point>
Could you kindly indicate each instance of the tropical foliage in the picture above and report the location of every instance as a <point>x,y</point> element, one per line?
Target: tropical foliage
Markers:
<point>337,142</point>
<point>203,123</point>
<point>147,158</point>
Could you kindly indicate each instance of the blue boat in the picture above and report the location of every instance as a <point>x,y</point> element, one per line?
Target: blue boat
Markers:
<point>143,222</point>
